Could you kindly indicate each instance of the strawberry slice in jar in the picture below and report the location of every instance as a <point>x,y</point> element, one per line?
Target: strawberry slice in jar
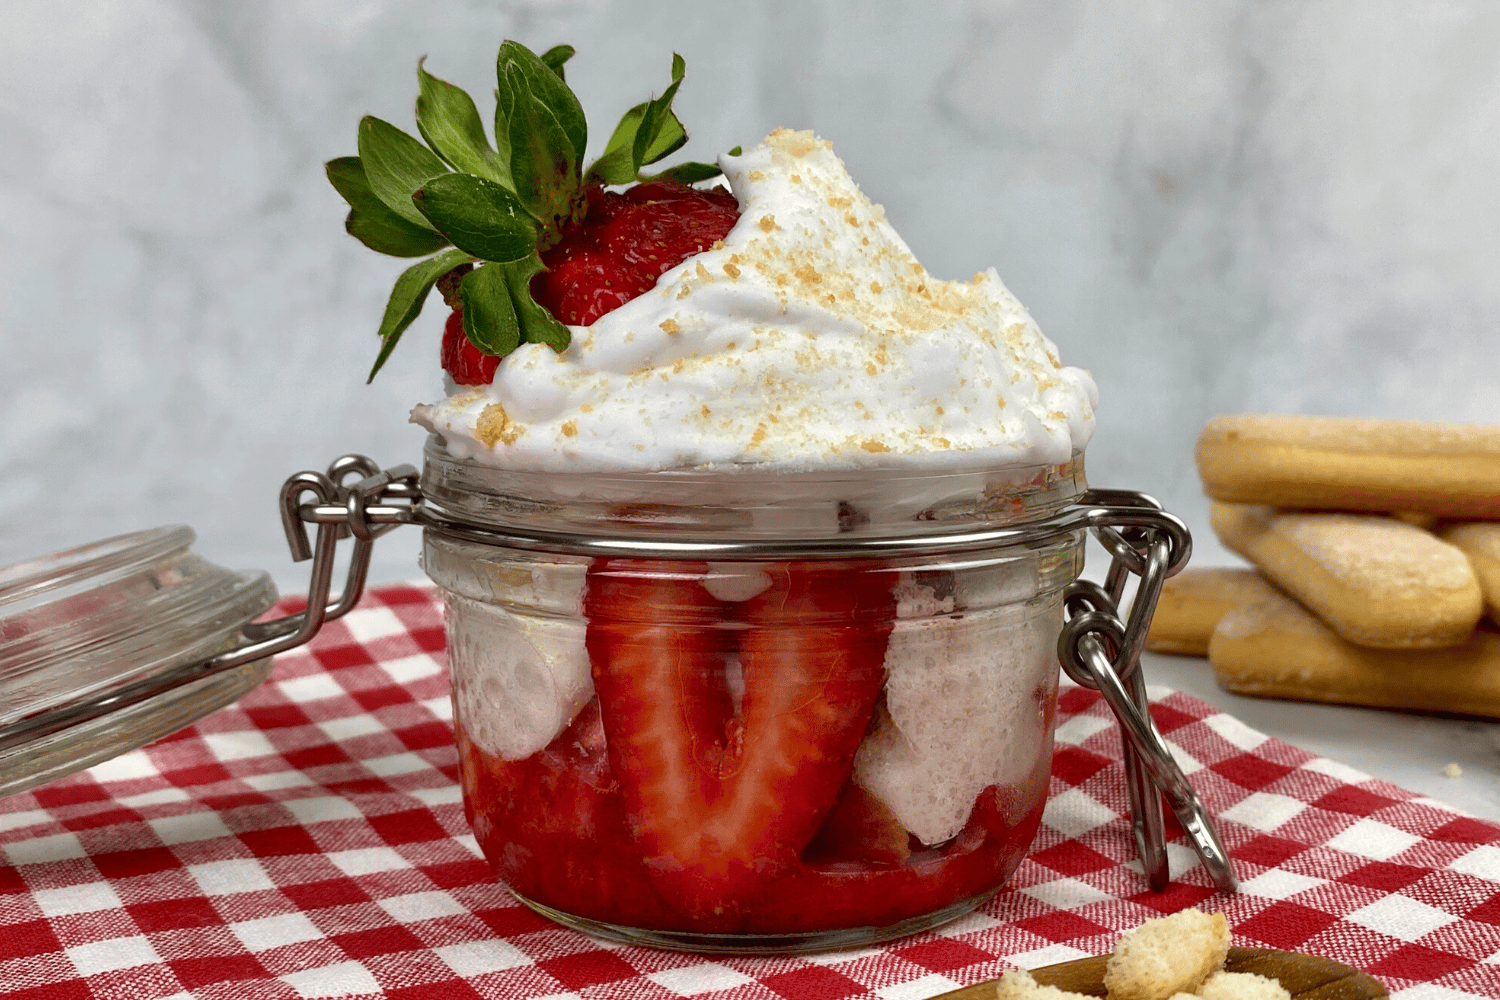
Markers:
<point>733,726</point>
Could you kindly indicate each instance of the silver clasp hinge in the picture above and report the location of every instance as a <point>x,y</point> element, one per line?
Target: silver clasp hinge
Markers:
<point>1102,652</point>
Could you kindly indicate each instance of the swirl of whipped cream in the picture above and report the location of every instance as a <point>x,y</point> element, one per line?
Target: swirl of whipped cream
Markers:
<point>809,339</point>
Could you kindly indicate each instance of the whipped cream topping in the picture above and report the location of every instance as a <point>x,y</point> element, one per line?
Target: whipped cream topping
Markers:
<point>809,339</point>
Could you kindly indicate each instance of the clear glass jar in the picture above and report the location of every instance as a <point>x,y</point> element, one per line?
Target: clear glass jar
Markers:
<point>753,753</point>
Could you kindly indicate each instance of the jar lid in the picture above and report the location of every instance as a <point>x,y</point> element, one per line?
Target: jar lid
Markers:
<point>83,624</point>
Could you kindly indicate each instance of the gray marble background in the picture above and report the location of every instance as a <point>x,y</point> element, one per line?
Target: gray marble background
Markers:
<point>1213,206</point>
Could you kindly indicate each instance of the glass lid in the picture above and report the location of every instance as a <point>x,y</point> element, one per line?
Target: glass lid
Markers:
<point>79,625</point>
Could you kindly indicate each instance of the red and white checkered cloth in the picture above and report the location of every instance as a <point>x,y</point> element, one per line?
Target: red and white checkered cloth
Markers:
<point>309,841</point>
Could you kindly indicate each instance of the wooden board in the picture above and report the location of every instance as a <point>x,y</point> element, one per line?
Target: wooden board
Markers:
<point>1306,977</point>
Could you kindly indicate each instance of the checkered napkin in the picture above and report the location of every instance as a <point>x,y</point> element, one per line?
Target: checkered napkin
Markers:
<point>309,841</point>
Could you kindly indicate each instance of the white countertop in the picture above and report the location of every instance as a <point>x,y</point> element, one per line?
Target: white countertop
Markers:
<point>1404,748</point>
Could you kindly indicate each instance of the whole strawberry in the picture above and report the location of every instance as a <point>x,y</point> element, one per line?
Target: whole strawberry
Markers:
<point>535,241</point>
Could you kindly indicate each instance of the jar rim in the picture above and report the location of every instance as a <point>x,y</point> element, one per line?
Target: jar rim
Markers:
<point>755,504</point>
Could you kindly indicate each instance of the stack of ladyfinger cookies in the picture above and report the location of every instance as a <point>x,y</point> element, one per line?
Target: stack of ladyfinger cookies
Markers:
<point>1376,554</point>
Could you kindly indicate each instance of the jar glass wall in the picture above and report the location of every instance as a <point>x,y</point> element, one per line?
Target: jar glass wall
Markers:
<point>757,754</point>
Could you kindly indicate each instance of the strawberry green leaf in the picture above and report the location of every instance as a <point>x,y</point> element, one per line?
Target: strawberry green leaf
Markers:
<point>479,216</point>
<point>538,326</point>
<point>396,165</point>
<point>407,297</point>
<point>542,161</point>
<point>370,222</point>
<point>617,164</point>
<point>686,173</point>
<point>489,317</point>
<point>450,123</point>
<point>658,113</point>
<point>670,137</point>
<point>547,86</point>
<point>378,235</point>
<point>554,58</point>
<point>547,133</point>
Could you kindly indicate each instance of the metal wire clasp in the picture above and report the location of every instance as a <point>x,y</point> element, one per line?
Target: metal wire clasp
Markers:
<point>1100,651</point>
<point>340,510</point>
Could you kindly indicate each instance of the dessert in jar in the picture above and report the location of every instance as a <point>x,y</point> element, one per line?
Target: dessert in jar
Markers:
<point>717,713</point>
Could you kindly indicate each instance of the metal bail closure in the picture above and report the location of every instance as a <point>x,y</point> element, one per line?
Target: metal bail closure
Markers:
<point>1101,652</point>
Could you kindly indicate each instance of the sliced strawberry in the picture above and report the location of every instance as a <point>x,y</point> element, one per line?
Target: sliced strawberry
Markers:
<point>553,827</point>
<point>466,363</point>
<point>811,653</point>
<point>861,828</point>
<point>826,895</point>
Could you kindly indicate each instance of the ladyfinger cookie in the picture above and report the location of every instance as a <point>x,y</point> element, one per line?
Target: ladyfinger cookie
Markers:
<point>1481,543</point>
<point>1375,580</point>
<point>1343,463</point>
<point>1193,601</point>
<point>1274,648</point>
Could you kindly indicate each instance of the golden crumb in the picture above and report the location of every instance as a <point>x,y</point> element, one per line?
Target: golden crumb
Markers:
<point>870,368</point>
<point>839,202</point>
<point>706,411</point>
<point>702,272</point>
<point>757,175</point>
<point>797,144</point>
<point>494,424</point>
<point>570,428</point>
<point>585,408</point>
<point>670,326</point>
<point>916,268</point>
<point>874,444</point>
<point>731,270</point>
<point>767,223</point>
<point>875,287</point>
<point>849,218</point>
<point>720,244</point>
<point>796,178</point>
<point>684,292</point>
<point>808,273</point>
<point>758,436</point>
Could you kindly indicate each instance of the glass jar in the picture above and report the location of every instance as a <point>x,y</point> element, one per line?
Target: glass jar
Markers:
<point>760,750</point>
